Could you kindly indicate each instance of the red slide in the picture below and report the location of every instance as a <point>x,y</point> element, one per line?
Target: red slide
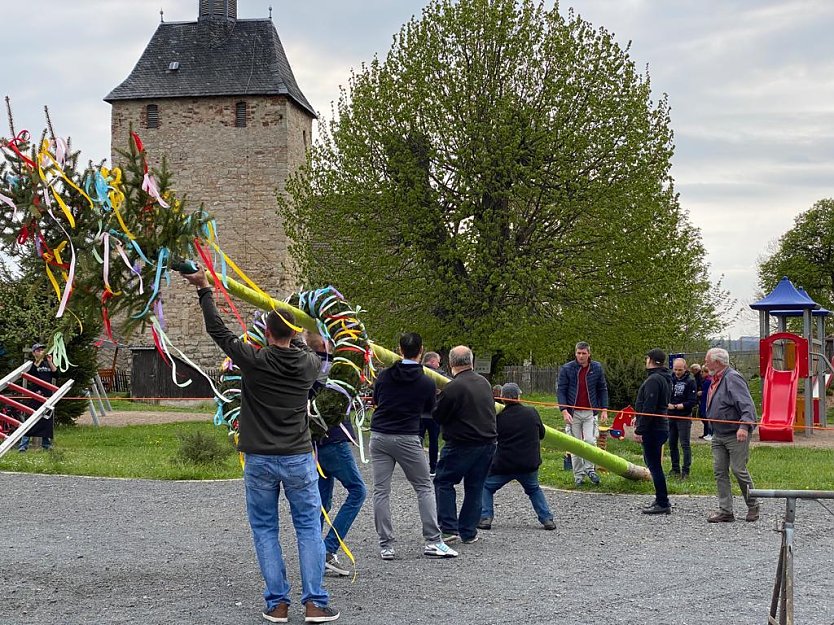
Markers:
<point>778,405</point>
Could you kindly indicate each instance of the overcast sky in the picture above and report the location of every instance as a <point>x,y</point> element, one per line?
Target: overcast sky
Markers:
<point>750,83</point>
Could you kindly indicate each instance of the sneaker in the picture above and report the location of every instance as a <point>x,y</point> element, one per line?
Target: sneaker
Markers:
<point>684,476</point>
<point>469,541</point>
<point>439,550</point>
<point>657,509</point>
<point>720,516</point>
<point>316,614</point>
<point>651,505</point>
<point>594,478</point>
<point>432,474</point>
<point>450,537</point>
<point>578,481</point>
<point>708,437</point>
<point>485,524</point>
<point>332,564</point>
<point>550,524</point>
<point>675,473</point>
<point>752,514</point>
<point>278,614</point>
<point>387,554</point>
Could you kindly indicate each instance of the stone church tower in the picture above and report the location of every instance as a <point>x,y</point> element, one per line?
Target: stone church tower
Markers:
<point>218,99</point>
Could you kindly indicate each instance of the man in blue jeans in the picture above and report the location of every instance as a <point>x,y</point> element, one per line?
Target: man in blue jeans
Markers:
<point>337,463</point>
<point>274,437</point>
<point>466,414</point>
<point>518,457</point>
<point>652,429</point>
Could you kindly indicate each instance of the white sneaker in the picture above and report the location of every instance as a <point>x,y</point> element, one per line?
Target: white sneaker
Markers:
<point>387,554</point>
<point>439,550</point>
<point>708,437</point>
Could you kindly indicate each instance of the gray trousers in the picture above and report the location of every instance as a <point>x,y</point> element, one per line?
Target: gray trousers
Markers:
<point>406,449</point>
<point>584,427</point>
<point>730,455</point>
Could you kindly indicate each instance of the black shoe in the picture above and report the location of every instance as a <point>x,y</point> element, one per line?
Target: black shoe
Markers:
<point>651,505</point>
<point>594,478</point>
<point>657,509</point>
<point>485,524</point>
<point>550,524</point>
<point>675,473</point>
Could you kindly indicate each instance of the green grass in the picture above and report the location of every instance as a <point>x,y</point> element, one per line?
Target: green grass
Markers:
<point>149,451</point>
<point>785,467</point>
<point>122,403</point>
<point>133,451</point>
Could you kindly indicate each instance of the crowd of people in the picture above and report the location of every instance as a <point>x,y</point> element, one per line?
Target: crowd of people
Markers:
<point>483,449</point>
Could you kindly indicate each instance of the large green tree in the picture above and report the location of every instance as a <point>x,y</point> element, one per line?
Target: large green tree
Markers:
<point>502,179</point>
<point>805,254</point>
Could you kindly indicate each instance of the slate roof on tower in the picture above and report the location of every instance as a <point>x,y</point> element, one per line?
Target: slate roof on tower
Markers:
<point>213,58</point>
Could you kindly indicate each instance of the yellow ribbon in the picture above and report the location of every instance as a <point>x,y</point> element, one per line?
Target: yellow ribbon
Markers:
<point>117,196</point>
<point>56,169</point>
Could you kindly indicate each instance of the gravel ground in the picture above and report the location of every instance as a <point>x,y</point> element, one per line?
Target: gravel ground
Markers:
<point>84,550</point>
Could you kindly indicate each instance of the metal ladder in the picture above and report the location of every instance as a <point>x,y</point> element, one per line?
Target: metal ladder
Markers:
<point>47,404</point>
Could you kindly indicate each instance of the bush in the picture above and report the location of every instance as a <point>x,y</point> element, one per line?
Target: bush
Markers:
<point>624,377</point>
<point>202,448</point>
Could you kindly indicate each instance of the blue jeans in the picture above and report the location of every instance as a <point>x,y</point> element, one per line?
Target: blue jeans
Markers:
<point>469,463</point>
<point>263,476</point>
<point>433,428</point>
<point>337,463</point>
<point>23,445</point>
<point>529,482</point>
<point>652,447</point>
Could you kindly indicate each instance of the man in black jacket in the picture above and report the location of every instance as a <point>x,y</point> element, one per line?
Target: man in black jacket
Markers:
<point>402,395</point>
<point>466,414</point>
<point>275,440</point>
<point>518,457</point>
<point>652,427</point>
<point>684,398</point>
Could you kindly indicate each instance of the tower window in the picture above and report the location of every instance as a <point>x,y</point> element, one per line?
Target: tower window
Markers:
<point>240,115</point>
<point>152,116</point>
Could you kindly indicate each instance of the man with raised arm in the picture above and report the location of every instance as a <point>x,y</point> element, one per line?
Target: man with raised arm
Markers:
<point>275,440</point>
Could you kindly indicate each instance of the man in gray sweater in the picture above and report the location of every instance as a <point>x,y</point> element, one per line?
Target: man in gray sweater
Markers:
<point>275,440</point>
<point>732,413</point>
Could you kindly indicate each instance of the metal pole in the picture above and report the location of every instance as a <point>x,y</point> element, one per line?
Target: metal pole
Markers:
<point>97,403</point>
<point>782,597</point>
<point>102,393</point>
<point>821,362</point>
<point>91,407</point>
<point>809,393</point>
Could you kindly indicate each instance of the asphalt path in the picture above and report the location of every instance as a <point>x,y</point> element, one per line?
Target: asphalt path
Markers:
<point>88,550</point>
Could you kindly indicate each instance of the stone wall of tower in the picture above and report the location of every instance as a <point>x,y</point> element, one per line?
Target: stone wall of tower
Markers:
<point>235,172</point>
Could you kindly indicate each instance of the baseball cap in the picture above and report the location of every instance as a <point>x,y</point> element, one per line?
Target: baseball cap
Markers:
<point>38,346</point>
<point>657,356</point>
<point>510,390</point>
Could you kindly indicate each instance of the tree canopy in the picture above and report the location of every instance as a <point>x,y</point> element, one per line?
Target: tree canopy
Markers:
<point>805,254</point>
<point>502,179</point>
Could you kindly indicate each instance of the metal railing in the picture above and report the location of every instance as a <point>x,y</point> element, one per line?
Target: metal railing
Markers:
<point>782,599</point>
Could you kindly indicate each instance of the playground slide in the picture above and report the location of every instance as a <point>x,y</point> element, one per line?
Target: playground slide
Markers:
<point>778,405</point>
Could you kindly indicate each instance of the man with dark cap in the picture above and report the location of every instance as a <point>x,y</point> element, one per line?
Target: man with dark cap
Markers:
<point>517,457</point>
<point>653,427</point>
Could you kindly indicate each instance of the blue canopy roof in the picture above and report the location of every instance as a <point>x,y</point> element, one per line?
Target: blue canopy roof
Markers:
<point>785,297</point>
